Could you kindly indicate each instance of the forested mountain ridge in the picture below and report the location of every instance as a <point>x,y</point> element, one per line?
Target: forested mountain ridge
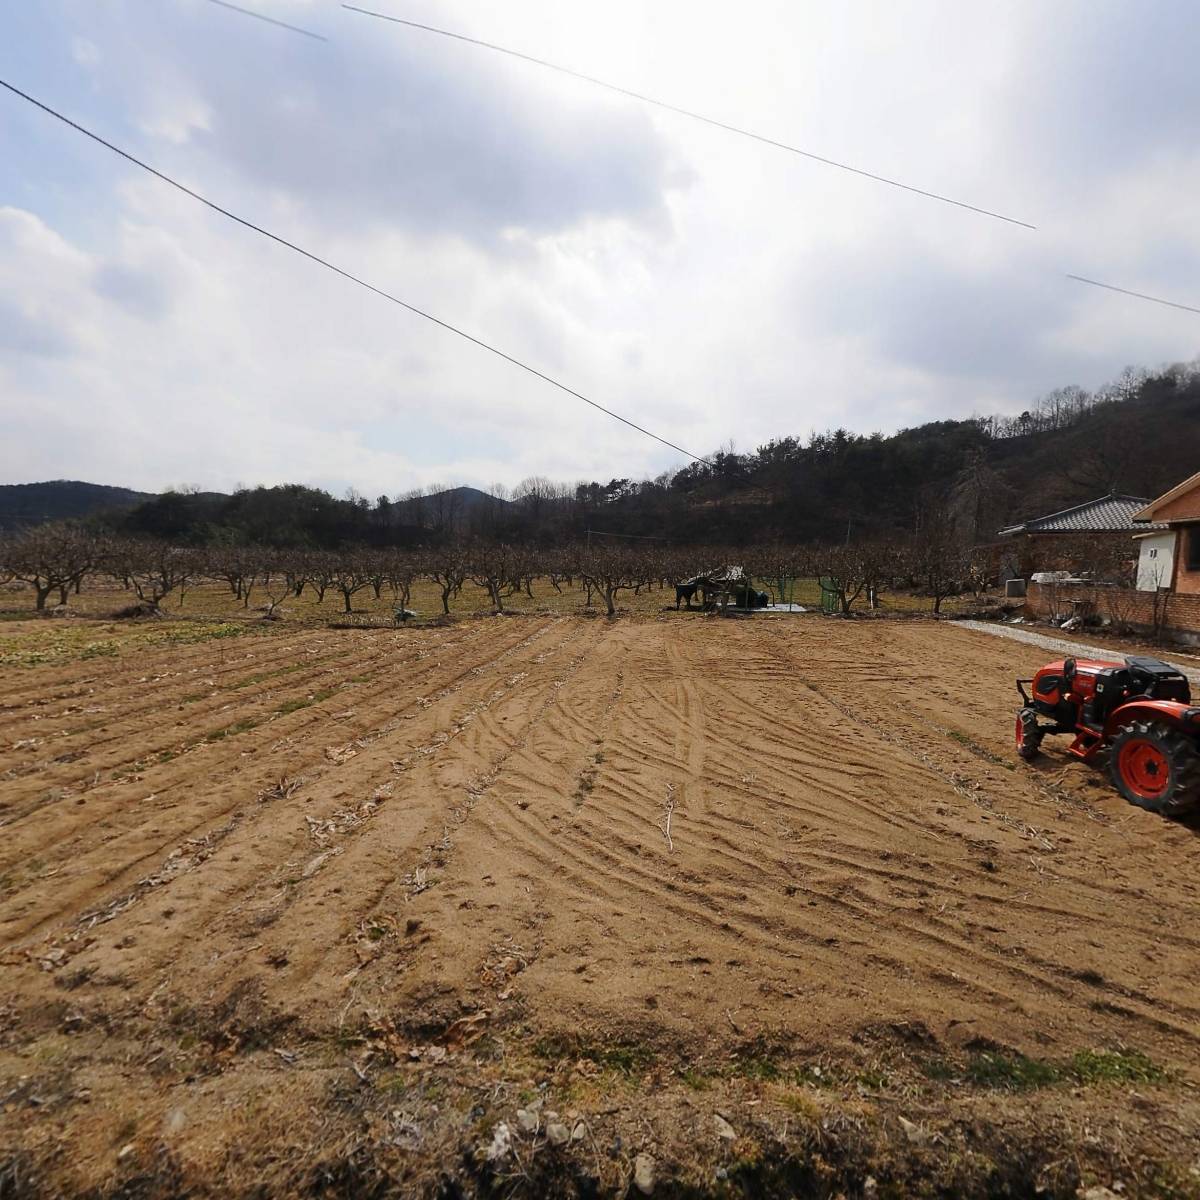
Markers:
<point>1139,436</point>
<point>23,504</point>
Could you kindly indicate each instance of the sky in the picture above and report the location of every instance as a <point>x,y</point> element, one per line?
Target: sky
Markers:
<point>714,290</point>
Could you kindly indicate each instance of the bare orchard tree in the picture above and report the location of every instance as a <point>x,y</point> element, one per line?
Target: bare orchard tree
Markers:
<point>938,556</point>
<point>275,578</point>
<point>51,558</point>
<point>609,569</point>
<point>153,569</point>
<point>495,567</point>
<point>559,568</point>
<point>322,573</point>
<point>1110,567</point>
<point>838,570</point>
<point>779,566</point>
<point>297,566</point>
<point>352,572</point>
<point>238,566</point>
<point>447,566</point>
<point>401,569</point>
<point>377,570</point>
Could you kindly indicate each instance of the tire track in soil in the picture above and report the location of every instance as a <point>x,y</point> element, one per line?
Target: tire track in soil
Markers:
<point>940,944</point>
<point>213,701</point>
<point>271,724</point>
<point>1146,1010</point>
<point>255,702</point>
<point>159,845</point>
<point>589,862</point>
<point>361,888</point>
<point>344,776</point>
<point>843,859</point>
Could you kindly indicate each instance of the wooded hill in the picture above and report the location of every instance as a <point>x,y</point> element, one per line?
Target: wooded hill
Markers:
<point>1139,435</point>
<point>24,504</point>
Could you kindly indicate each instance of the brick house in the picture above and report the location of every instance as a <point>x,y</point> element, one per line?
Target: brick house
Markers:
<point>1166,598</point>
<point>1170,557</point>
<point>1043,543</point>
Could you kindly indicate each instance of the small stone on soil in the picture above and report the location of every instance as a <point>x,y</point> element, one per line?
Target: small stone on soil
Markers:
<point>643,1174</point>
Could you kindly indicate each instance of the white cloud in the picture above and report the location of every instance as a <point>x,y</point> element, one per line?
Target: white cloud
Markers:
<point>705,286</point>
<point>85,53</point>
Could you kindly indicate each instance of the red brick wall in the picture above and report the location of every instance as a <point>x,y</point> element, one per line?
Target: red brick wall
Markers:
<point>1182,508</point>
<point>1179,613</point>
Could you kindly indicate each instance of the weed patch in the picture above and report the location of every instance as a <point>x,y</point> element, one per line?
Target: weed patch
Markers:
<point>299,702</point>
<point>1014,1072</point>
<point>622,1057</point>
<point>1115,1066</point>
<point>1011,1071</point>
<point>242,726</point>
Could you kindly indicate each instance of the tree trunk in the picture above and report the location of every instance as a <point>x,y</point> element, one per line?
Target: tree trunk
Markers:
<point>62,595</point>
<point>346,597</point>
<point>42,593</point>
<point>610,607</point>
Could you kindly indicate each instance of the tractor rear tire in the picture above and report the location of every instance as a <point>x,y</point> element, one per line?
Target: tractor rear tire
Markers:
<point>1156,767</point>
<point>1029,735</point>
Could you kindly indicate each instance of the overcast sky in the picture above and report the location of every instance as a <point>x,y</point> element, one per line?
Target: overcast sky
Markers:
<point>708,287</point>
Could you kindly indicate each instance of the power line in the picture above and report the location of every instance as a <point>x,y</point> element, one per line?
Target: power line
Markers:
<point>695,116</point>
<point>1112,287</point>
<point>638,537</point>
<point>247,12</point>
<point>187,191</point>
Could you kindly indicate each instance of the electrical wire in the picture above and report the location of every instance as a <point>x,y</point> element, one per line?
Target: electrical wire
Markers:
<point>412,308</point>
<point>695,116</point>
<point>1112,287</point>
<point>247,12</point>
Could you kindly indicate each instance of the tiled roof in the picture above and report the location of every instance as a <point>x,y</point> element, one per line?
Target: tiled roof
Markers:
<point>1110,514</point>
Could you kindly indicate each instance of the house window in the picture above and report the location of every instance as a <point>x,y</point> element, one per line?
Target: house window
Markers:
<point>1193,549</point>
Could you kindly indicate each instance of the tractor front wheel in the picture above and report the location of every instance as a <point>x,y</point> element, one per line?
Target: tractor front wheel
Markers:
<point>1029,735</point>
<point>1156,767</point>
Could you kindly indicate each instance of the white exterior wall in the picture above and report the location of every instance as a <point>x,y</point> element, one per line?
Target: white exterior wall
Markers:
<point>1156,561</point>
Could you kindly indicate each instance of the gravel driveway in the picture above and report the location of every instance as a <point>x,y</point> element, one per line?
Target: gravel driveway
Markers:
<point>1063,646</point>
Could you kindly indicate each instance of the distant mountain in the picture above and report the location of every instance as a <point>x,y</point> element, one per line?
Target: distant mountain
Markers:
<point>453,510</point>
<point>24,504</point>
<point>465,499</point>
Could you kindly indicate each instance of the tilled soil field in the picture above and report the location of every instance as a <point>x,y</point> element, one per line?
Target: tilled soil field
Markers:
<point>560,905</point>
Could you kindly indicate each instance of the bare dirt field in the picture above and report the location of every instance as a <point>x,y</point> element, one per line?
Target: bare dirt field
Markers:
<point>556,905</point>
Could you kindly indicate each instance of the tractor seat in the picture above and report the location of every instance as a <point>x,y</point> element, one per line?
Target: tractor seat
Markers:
<point>1157,679</point>
<point>1150,666</point>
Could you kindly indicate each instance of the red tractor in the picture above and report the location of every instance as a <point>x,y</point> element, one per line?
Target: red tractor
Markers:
<point>1140,711</point>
